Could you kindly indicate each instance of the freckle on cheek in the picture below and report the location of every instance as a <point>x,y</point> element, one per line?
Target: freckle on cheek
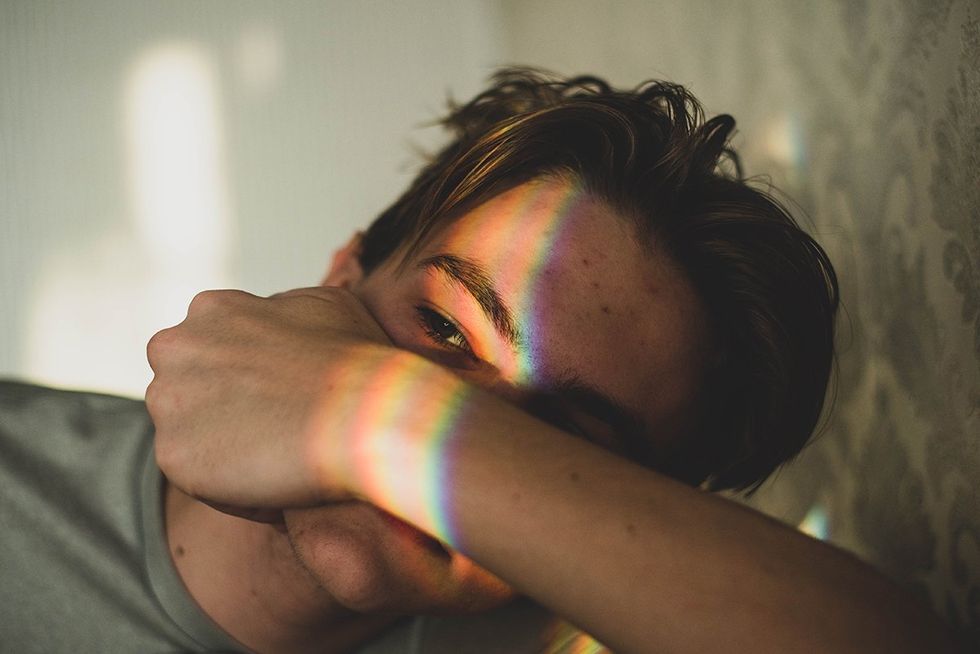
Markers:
<point>606,309</point>
<point>179,551</point>
<point>574,476</point>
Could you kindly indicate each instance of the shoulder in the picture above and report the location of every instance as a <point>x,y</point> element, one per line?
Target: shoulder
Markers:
<point>36,412</point>
<point>20,395</point>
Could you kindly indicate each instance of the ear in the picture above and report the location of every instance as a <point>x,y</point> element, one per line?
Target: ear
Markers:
<point>345,267</point>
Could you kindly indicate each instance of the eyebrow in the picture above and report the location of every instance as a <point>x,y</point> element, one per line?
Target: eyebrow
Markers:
<point>475,280</point>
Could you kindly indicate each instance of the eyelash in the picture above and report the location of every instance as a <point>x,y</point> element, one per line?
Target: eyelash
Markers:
<point>434,324</point>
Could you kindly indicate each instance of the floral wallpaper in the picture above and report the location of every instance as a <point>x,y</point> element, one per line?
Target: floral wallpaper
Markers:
<point>866,113</point>
<point>892,186</point>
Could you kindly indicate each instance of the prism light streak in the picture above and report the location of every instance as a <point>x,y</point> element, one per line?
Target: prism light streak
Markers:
<point>528,369</point>
<point>784,141</point>
<point>400,476</point>
<point>437,480</point>
<point>375,422</point>
<point>523,249</point>
<point>563,638</point>
<point>506,243</point>
<point>816,523</point>
<point>541,232</point>
<point>414,480</point>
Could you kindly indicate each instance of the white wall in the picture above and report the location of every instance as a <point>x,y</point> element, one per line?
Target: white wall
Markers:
<point>152,149</point>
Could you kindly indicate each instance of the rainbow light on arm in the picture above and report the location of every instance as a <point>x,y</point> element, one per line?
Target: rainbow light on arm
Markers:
<point>405,410</point>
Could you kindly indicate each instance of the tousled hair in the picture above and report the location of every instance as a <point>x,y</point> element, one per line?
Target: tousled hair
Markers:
<point>768,289</point>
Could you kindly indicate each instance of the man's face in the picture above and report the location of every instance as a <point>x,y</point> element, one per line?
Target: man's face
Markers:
<point>544,296</point>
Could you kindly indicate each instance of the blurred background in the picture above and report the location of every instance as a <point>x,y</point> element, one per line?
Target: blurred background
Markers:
<point>149,150</point>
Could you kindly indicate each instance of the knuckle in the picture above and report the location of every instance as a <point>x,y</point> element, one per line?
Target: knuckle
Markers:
<point>204,300</point>
<point>158,345</point>
<point>152,397</point>
<point>157,399</point>
<point>212,300</point>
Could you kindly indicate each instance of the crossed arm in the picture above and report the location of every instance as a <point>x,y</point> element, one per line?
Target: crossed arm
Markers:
<point>297,400</point>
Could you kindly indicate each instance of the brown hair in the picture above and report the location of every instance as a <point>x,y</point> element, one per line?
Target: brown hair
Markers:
<point>769,289</point>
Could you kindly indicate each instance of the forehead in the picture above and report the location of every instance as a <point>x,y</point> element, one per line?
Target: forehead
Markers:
<point>589,300</point>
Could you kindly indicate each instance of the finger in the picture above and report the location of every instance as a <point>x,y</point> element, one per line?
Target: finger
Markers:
<point>159,346</point>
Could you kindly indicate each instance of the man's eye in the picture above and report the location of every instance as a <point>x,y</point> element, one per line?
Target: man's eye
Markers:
<point>442,330</point>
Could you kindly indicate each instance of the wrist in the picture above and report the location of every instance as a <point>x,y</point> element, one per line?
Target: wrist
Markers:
<point>384,430</point>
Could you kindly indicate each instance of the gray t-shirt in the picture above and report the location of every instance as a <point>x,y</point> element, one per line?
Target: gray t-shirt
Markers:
<point>84,565</point>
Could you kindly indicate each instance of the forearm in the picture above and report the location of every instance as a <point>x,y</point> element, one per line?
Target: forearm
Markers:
<point>283,402</point>
<point>638,560</point>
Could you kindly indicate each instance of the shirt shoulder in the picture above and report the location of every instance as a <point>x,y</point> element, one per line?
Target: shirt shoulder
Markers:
<point>73,566</point>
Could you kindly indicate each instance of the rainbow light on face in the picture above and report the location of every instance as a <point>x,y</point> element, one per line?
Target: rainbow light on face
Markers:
<point>528,371</point>
<point>383,403</point>
<point>527,230</point>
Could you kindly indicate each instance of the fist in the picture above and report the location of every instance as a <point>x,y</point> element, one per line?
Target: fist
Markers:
<point>236,391</point>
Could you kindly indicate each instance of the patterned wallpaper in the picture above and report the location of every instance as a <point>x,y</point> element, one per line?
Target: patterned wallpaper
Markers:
<point>893,187</point>
<point>867,114</point>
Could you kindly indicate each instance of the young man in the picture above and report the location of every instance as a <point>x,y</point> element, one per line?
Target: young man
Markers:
<point>571,288</point>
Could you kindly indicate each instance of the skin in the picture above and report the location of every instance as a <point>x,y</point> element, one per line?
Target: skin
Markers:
<point>579,311</point>
<point>282,402</point>
<point>572,304</point>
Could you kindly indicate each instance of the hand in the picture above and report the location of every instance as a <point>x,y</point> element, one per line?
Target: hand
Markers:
<point>238,388</point>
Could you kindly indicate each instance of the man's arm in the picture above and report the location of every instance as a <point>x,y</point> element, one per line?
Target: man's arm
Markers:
<point>286,402</point>
<point>647,564</point>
